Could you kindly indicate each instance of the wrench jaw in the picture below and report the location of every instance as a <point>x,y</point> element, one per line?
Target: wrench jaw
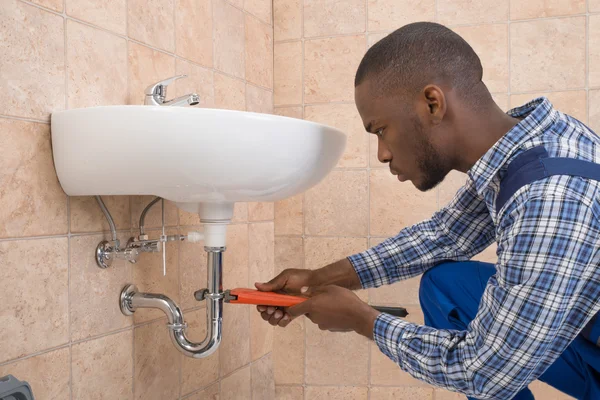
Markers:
<point>228,297</point>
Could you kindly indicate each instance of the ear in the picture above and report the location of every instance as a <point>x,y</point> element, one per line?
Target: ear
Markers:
<point>436,102</point>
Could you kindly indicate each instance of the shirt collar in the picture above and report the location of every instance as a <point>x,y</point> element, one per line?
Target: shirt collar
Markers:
<point>538,115</point>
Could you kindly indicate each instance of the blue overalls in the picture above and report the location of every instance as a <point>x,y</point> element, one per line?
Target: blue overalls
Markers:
<point>450,292</point>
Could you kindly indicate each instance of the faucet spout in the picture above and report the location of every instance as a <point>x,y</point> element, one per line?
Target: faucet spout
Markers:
<point>183,101</point>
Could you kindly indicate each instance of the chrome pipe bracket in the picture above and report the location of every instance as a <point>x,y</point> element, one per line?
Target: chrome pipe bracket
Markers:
<point>125,299</point>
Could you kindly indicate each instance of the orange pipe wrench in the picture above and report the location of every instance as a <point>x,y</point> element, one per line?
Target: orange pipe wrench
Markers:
<point>256,297</point>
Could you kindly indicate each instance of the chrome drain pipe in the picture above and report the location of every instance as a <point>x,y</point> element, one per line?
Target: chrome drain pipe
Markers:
<point>131,300</point>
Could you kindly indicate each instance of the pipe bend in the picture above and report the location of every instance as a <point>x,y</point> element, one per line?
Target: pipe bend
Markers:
<point>177,326</point>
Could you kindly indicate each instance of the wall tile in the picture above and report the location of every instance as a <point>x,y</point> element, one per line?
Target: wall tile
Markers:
<point>194,31</point>
<point>34,296</point>
<point>259,50</point>
<point>450,186</point>
<point>235,258</point>
<point>288,73</point>
<point>32,202</point>
<point>392,14</point>
<point>289,217</point>
<point>236,386</point>
<point>329,68</point>
<point>230,93</point>
<point>287,16</point>
<point>289,253</point>
<point>390,393</point>
<point>93,290</point>
<point>398,294</point>
<point>346,118</point>
<point>228,39</point>
<point>441,394</point>
<point>490,42</point>
<point>375,37</point>
<point>237,3</point>
<point>292,112</point>
<point>192,269</point>
<point>240,212</point>
<point>198,372</point>
<point>289,392</point>
<point>455,12</point>
<point>322,251</point>
<point>263,211</point>
<point>87,216</point>
<point>338,205</point>
<point>573,103</point>
<point>97,65</point>
<point>47,374</point>
<point>235,346</point>
<point>146,67</point>
<point>56,5</point>
<point>33,68</point>
<point>103,368</point>
<point>385,372</point>
<point>148,276</point>
<point>395,205</point>
<point>107,14</point>
<point>157,363</point>
<point>594,50</point>
<point>259,100</point>
<point>327,351</point>
<point>336,393</point>
<point>288,353</point>
<point>544,8</point>
<point>262,9</point>
<point>501,100</point>
<point>263,385</point>
<point>323,17</point>
<point>594,111</point>
<point>199,80</point>
<point>152,22</point>
<point>262,269</point>
<point>153,218</point>
<point>210,393</point>
<point>488,255</point>
<point>556,38</point>
<point>594,5</point>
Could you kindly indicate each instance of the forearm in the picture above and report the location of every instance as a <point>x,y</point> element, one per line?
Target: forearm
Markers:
<point>340,273</point>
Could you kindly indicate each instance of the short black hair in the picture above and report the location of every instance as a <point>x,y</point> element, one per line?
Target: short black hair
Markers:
<point>418,54</point>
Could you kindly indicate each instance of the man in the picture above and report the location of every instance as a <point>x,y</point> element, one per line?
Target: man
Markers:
<point>489,329</point>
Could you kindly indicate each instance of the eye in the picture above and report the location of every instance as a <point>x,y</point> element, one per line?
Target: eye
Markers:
<point>379,132</point>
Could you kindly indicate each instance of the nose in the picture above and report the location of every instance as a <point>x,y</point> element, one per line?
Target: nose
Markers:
<point>383,153</point>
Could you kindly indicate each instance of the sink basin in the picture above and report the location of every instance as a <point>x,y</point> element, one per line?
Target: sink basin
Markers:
<point>202,159</point>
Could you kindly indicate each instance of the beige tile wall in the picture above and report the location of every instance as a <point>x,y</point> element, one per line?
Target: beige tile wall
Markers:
<point>62,330</point>
<point>527,49</point>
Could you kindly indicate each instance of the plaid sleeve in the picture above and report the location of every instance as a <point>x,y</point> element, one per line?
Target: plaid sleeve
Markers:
<point>457,232</point>
<point>547,287</point>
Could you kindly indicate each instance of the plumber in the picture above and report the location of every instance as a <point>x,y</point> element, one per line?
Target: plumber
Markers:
<point>532,186</point>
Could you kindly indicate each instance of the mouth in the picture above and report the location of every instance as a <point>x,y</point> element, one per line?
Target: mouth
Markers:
<point>401,177</point>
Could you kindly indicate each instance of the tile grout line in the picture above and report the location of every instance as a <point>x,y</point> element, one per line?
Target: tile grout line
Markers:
<point>368,170</point>
<point>304,330</point>
<point>587,61</point>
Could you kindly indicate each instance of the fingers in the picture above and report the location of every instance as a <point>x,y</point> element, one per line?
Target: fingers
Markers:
<point>274,316</point>
<point>273,285</point>
<point>300,309</point>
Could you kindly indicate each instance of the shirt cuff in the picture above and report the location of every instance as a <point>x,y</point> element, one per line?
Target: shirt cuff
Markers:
<point>370,268</point>
<point>387,333</point>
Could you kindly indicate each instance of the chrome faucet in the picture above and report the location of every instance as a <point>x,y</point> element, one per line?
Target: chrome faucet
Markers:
<point>156,94</point>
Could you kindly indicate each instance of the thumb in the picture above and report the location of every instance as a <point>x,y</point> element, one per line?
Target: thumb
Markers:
<point>273,285</point>
<point>310,291</point>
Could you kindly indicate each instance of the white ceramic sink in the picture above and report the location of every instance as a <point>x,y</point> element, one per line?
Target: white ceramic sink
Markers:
<point>202,159</point>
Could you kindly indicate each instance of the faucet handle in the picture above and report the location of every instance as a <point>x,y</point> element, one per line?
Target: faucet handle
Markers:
<point>160,88</point>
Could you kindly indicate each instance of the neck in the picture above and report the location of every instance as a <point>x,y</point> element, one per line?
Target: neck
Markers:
<point>481,130</point>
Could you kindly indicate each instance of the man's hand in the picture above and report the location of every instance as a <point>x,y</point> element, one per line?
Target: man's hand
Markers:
<point>336,309</point>
<point>290,281</point>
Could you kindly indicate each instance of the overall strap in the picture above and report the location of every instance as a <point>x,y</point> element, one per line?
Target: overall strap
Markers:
<point>535,164</point>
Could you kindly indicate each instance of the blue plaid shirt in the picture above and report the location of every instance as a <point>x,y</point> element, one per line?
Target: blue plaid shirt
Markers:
<point>547,282</point>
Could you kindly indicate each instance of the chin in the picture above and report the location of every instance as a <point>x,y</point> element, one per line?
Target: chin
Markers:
<point>425,185</point>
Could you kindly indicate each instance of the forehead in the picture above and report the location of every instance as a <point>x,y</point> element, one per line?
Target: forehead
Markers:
<point>372,105</point>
